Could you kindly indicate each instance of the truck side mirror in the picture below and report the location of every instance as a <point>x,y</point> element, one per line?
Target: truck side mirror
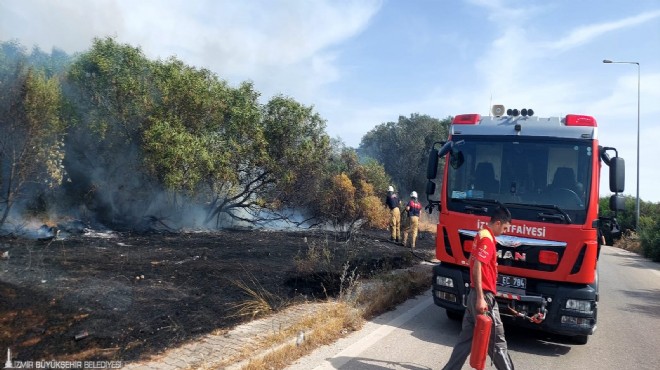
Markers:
<point>617,203</point>
<point>430,188</point>
<point>432,168</point>
<point>617,174</point>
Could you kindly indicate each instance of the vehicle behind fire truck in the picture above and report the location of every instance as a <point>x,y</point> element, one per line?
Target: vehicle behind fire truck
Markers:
<point>546,171</point>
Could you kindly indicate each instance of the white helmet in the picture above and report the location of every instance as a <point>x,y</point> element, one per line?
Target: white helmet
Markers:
<point>391,188</point>
<point>413,194</point>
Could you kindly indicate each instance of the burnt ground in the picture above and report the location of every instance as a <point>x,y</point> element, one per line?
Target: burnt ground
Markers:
<point>124,297</point>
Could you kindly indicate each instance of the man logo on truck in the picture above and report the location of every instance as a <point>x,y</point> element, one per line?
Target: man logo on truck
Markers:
<point>508,255</point>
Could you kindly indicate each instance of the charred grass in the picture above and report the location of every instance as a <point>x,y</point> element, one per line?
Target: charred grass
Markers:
<point>132,297</point>
<point>358,300</point>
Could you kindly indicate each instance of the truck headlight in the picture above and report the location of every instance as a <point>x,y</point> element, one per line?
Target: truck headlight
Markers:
<point>444,281</point>
<point>579,305</point>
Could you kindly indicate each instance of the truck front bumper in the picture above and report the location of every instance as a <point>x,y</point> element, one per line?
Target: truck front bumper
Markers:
<point>566,309</point>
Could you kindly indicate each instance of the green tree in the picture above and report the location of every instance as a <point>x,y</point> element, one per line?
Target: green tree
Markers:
<point>377,176</point>
<point>296,147</point>
<point>187,137</point>
<point>350,199</point>
<point>649,236</point>
<point>112,92</point>
<point>31,144</point>
<point>402,147</point>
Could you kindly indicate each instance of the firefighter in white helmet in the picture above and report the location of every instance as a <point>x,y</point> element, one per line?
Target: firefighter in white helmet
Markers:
<point>393,202</point>
<point>413,209</point>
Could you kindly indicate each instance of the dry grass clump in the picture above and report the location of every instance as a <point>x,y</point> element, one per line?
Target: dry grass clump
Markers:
<point>630,242</point>
<point>259,301</point>
<point>331,324</point>
<point>428,222</point>
<point>357,301</point>
<point>390,289</point>
<point>317,257</point>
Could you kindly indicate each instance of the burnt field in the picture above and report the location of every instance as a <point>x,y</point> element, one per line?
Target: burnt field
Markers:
<point>123,297</point>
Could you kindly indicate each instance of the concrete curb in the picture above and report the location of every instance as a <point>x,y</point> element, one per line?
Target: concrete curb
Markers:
<point>218,350</point>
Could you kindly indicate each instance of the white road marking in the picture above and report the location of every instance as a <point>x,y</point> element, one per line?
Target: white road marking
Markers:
<point>356,348</point>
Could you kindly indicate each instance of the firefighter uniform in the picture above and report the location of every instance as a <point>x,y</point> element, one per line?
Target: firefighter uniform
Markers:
<point>392,202</point>
<point>413,208</point>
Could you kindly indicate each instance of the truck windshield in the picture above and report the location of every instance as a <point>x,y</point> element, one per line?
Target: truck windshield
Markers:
<point>538,179</point>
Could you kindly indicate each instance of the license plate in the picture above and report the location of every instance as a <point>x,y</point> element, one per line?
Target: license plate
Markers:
<point>512,281</point>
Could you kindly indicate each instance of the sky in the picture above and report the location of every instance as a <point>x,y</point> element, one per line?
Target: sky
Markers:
<point>366,62</point>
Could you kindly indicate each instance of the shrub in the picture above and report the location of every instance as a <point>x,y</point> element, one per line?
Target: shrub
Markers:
<point>375,212</point>
<point>649,236</point>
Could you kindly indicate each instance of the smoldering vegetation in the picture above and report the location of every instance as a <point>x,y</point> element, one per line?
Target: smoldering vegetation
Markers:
<point>109,139</point>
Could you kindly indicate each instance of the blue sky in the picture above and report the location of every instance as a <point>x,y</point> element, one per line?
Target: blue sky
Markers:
<point>365,62</point>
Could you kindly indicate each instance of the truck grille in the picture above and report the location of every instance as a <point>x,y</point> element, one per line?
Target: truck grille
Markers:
<point>519,252</point>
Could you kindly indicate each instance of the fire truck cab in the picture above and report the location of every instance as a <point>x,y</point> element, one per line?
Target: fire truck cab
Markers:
<point>546,171</point>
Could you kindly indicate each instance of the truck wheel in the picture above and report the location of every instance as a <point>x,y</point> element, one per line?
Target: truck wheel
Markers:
<point>580,339</point>
<point>455,315</point>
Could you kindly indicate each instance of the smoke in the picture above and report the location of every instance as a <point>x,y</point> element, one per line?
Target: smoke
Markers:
<point>107,183</point>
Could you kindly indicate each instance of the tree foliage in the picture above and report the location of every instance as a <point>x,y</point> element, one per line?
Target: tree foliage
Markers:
<point>140,139</point>
<point>402,147</point>
<point>31,144</point>
<point>110,89</point>
<point>183,130</point>
<point>649,236</point>
<point>351,199</point>
<point>649,227</point>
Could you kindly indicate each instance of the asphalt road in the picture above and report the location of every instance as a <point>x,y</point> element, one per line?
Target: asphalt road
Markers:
<point>418,335</point>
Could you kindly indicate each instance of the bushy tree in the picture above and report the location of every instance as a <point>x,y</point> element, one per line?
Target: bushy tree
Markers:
<point>112,92</point>
<point>649,236</point>
<point>402,147</point>
<point>296,150</point>
<point>350,200</point>
<point>31,143</point>
<point>338,205</point>
<point>147,138</point>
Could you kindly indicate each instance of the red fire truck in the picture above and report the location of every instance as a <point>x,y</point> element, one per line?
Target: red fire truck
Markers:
<point>546,171</point>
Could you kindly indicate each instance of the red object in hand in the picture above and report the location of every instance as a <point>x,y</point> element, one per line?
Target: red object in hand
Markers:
<point>480,341</point>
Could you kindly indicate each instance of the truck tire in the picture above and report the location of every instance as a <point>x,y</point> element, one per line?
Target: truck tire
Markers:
<point>455,315</point>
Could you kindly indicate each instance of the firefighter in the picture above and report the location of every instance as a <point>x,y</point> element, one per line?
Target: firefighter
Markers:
<point>392,201</point>
<point>413,209</point>
<point>481,298</point>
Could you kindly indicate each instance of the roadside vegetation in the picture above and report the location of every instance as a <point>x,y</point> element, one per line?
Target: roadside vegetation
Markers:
<point>354,294</point>
<point>341,317</point>
<point>355,301</point>
<point>644,239</point>
<point>113,138</point>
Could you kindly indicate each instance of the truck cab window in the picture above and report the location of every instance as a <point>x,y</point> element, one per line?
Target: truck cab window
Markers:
<point>535,171</point>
